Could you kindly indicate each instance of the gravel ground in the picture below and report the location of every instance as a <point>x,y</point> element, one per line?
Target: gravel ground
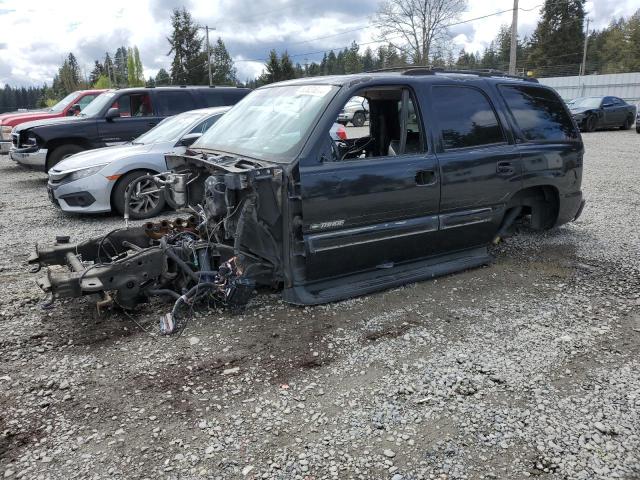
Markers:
<point>528,367</point>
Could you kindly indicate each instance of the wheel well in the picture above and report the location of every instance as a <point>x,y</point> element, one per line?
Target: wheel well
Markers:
<point>541,202</point>
<point>59,142</point>
<point>115,185</point>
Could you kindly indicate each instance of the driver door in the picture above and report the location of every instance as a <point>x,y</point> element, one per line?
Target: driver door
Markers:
<point>375,203</point>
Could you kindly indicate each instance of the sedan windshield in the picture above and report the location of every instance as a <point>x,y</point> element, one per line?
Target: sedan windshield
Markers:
<point>269,124</point>
<point>98,104</point>
<point>586,102</point>
<point>58,107</point>
<point>170,129</point>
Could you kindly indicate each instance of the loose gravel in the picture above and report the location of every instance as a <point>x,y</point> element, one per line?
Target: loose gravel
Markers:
<point>525,368</point>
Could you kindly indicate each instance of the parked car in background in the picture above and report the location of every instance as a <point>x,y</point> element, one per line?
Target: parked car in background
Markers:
<point>95,180</point>
<point>355,111</point>
<point>70,105</point>
<point>116,117</point>
<point>637,119</point>
<point>600,112</point>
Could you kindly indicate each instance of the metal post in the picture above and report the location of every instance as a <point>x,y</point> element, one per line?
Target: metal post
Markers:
<point>514,39</point>
<point>583,67</point>
<point>209,56</point>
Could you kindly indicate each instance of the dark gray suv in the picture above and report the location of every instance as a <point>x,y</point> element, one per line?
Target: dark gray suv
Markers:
<point>448,162</point>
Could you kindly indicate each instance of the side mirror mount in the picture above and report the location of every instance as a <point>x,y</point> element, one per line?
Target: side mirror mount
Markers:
<point>188,139</point>
<point>112,113</point>
<point>74,110</point>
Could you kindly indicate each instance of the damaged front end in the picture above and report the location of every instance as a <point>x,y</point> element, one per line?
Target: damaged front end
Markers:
<point>229,245</point>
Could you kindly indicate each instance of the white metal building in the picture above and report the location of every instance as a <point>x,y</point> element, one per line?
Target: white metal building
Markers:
<point>623,85</point>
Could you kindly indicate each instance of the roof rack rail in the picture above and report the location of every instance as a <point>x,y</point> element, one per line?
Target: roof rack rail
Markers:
<point>484,72</point>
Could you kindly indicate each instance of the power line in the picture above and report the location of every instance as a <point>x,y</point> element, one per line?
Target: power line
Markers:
<point>381,41</point>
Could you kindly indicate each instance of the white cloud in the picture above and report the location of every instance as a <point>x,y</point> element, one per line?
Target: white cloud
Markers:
<point>36,35</point>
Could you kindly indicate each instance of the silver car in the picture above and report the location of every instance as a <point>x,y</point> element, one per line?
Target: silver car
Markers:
<point>95,181</point>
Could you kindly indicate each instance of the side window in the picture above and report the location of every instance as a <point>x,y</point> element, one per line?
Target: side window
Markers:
<point>608,101</point>
<point>134,105</point>
<point>466,117</point>
<point>618,101</point>
<point>173,102</point>
<point>222,98</point>
<point>538,112</point>
<point>86,100</point>
<point>205,124</point>
<point>379,122</point>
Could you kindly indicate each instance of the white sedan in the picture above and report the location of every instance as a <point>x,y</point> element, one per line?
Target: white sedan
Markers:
<point>95,181</point>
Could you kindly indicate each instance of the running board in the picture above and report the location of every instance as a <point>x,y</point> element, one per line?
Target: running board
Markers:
<point>369,282</point>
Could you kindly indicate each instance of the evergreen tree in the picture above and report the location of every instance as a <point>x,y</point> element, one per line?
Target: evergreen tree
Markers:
<point>558,37</point>
<point>188,65</point>
<point>287,72</point>
<point>223,69</point>
<point>368,62</point>
<point>273,69</point>
<point>162,78</point>
<point>109,70</point>
<point>97,72</point>
<point>120,72</point>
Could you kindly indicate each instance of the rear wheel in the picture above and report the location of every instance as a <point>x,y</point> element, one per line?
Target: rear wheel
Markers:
<point>62,152</point>
<point>590,123</point>
<point>358,119</point>
<point>143,202</point>
<point>627,123</point>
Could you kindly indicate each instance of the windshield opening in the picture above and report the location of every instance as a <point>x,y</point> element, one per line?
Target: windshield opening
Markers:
<point>170,129</point>
<point>269,124</point>
<point>586,102</point>
<point>98,104</point>
<point>60,106</point>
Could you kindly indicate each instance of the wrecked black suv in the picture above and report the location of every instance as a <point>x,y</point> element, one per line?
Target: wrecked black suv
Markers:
<point>445,164</point>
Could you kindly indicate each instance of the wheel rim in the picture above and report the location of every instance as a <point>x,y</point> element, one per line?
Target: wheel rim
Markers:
<point>358,121</point>
<point>142,201</point>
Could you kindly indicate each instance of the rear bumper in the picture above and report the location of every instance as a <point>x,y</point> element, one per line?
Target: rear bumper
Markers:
<point>30,157</point>
<point>5,147</point>
<point>571,206</point>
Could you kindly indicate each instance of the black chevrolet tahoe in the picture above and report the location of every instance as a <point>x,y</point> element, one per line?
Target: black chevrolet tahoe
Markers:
<point>115,117</point>
<point>445,164</point>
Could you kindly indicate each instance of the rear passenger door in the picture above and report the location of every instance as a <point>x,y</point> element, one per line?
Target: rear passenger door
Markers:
<point>480,167</point>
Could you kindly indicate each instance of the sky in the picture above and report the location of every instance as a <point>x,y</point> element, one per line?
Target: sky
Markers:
<point>36,35</point>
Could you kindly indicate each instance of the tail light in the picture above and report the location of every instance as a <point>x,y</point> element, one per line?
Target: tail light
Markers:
<point>341,132</point>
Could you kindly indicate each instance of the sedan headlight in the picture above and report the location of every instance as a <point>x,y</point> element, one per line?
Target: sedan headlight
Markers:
<point>5,132</point>
<point>83,173</point>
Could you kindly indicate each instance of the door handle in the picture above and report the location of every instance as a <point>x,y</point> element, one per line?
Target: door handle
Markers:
<point>505,168</point>
<point>152,124</point>
<point>425,177</point>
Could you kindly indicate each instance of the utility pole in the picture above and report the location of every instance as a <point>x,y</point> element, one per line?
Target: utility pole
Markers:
<point>209,56</point>
<point>108,72</point>
<point>514,39</point>
<point>583,67</point>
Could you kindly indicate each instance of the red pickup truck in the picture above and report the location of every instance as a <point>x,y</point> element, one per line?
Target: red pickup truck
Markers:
<point>65,107</point>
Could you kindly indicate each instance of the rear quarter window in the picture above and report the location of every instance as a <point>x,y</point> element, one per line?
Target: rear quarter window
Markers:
<point>174,102</point>
<point>539,113</point>
<point>222,98</point>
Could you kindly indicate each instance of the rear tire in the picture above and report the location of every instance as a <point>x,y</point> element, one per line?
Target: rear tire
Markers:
<point>637,128</point>
<point>358,119</point>
<point>140,207</point>
<point>627,123</point>
<point>62,152</point>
